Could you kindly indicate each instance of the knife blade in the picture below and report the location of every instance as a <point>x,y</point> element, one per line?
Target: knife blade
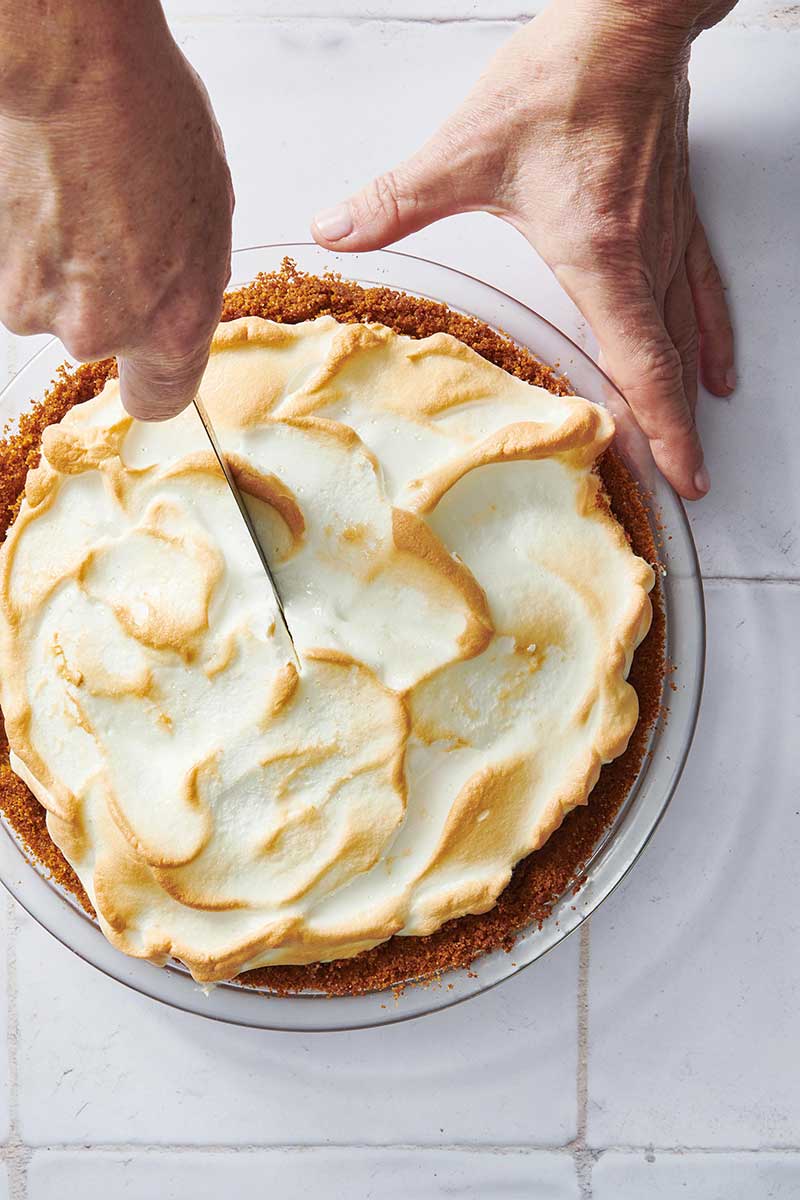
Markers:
<point>241,504</point>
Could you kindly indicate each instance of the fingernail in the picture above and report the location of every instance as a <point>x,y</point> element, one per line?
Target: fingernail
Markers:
<point>333,224</point>
<point>731,378</point>
<point>702,480</point>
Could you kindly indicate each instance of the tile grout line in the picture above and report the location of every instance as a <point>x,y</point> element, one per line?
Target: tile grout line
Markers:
<point>584,1159</point>
<point>17,1155</point>
<point>212,16</point>
<point>777,22</point>
<point>109,1149</point>
<point>769,580</point>
<point>186,23</point>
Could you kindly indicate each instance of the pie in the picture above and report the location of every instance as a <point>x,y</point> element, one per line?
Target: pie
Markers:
<point>466,609</point>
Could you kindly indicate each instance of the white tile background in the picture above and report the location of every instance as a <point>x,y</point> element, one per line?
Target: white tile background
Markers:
<point>6,1049</point>
<point>696,1177</point>
<point>656,1058</point>
<point>336,1174</point>
<point>127,1071</point>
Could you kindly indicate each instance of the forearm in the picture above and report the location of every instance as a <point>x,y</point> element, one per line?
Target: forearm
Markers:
<point>54,52</point>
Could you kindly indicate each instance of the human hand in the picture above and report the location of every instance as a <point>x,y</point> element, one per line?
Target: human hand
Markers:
<point>577,136</point>
<point>115,197</point>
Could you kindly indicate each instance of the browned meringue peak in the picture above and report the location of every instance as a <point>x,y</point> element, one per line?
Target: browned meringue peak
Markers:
<point>465,610</point>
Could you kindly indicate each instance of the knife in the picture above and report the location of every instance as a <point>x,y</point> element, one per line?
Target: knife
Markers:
<point>248,520</point>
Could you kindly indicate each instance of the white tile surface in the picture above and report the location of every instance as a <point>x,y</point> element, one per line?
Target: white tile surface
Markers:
<point>7,355</point>
<point>694,970</point>
<point>747,169</point>
<point>15,351</point>
<point>764,13</point>
<point>99,1063</point>
<point>775,15</point>
<point>352,111</point>
<point>4,1193</point>
<point>697,1177</point>
<point>328,1175</point>
<point>693,1032</point>
<point>397,10</point>
<point>4,1042</point>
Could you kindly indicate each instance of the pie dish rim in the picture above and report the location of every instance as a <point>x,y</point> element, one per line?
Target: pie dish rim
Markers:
<point>233,1003</point>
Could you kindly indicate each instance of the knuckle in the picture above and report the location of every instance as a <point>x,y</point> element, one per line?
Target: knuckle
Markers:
<point>384,198</point>
<point>687,339</point>
<point>182,323</point>
<point>22,312</point>
<point>707,274</point>
<point>667,253</point>
<point>88,326</point>
<point>81,341</point>
<point>702,264</point>
<point>657,394</point>
<point>83,346</point>
<point>18,321</point>
<point>690,350</point>
<point>670,425</point>
<point>612,242</point>
<point>185,330</point>
<point>87,339</point>
<point>661,365</point>
<point>191,330</point>
<point>681,422</point>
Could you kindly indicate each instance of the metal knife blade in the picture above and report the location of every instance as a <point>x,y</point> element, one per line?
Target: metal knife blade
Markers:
<point>248,520</point>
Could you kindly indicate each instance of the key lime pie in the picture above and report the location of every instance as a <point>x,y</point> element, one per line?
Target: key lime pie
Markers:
<point>466,610</point>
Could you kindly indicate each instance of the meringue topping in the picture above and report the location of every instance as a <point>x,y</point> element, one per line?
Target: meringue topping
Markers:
<point>464,605</point>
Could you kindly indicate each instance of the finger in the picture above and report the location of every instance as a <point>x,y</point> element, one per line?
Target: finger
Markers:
<point>442,179</point>
<point>647,367</point>
<point>160,374</point>
<point>389,208</point>
<point>25,316</point>
<point>160,380</point>
<point>681,325</point>
<point>155,388</point>
<point>713,317</point>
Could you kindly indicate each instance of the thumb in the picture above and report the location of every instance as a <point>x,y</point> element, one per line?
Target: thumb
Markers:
<point>156,387</point>
<point>430,185</point>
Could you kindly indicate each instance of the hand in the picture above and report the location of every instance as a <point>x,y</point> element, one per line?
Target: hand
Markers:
<point>115,197</point>
<point>577,135</point>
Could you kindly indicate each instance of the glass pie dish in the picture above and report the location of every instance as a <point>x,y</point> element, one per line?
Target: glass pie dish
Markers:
<point>670,738</point>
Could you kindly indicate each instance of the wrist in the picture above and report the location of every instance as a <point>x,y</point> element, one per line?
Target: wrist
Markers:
<point>677,22</point>
<point>648,37</point>
<point>618,47</point>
